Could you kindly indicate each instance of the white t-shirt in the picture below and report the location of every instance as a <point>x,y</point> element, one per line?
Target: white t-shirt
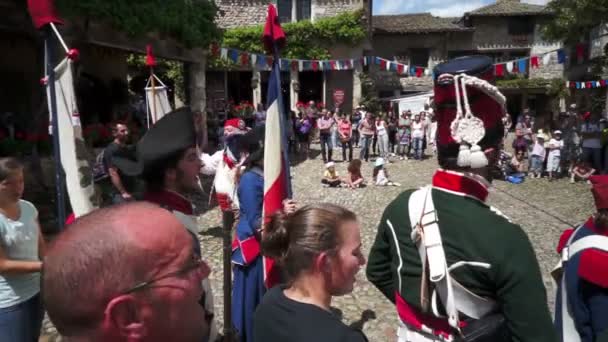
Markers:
<point>19,241</point>
<point>556,146</point>
<point>588,127</point>
<point>380,129</point>
<point>417,130</point>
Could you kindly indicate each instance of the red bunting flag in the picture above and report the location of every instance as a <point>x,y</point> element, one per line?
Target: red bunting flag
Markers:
<point>419,71</point>
<point>499,70</point>
<point>400,68</point>
<point>603,83</point>
<point>244,58</point>
<point>215,50</point>
<point>534,62</point>
<point>382,64</point>
<point>333,65</point>
<point>589,85</point>
<point>580,52</point>
<point>315,65</point>
<point>269,61</point>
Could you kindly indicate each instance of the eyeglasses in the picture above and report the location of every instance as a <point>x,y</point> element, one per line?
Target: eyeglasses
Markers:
<point>195,263</point>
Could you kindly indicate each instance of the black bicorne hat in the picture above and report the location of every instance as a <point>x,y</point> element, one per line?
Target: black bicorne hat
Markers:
<point>170,135</point>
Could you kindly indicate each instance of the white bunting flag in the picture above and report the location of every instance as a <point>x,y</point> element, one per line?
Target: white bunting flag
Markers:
<point>254,59</point>
<point>510,66</point>
<point>547,59</point>
<point>224,53</point>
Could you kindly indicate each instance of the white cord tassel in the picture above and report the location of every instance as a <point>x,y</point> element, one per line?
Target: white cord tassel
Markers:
<point>464,156</point>
<point>477,159</point>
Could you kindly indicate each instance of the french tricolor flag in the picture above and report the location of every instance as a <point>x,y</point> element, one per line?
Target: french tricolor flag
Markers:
<point>277,184</point>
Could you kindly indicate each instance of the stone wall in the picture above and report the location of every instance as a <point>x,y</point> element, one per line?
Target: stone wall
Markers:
<point>331,8</point>
<point>240,13</point>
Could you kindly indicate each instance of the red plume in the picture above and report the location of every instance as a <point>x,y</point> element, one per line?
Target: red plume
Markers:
<point>150,61</point>
<point>43,12</point>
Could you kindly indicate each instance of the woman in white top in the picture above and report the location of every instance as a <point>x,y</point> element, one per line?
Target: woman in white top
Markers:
<point>417,137</point>
<point>382,132</point>
<point>21,249</point>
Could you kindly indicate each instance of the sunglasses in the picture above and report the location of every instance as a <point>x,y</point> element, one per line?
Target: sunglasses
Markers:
<point>195,263</point>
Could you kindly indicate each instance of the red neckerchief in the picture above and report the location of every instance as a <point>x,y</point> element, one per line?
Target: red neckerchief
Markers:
<point>231,164</point>
<point>460,184</point>
<point>170,200</point>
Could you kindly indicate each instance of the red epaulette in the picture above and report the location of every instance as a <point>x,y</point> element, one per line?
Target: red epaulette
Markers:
<point>593,267</point>
<point>563,240</point>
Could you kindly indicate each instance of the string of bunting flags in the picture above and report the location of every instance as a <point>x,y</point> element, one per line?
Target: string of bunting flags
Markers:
<point>587,84</point>
<point>261,61</point>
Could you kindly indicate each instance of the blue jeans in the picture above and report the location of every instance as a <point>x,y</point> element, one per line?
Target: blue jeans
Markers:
<point>365,142</point>
<point>326,146</point>
<point>22,322</point>
<point>417,144</point>
<point>536,164</point>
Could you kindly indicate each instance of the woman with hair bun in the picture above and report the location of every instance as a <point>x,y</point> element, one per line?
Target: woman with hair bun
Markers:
<point>319,250</point>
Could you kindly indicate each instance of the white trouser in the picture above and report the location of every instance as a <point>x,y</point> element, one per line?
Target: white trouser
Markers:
<point>407,334</point>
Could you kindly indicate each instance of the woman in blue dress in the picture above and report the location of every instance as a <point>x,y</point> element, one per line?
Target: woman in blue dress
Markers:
<point>248,271</point>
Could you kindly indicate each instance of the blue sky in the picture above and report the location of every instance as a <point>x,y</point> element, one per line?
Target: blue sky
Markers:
<point>442,8</point>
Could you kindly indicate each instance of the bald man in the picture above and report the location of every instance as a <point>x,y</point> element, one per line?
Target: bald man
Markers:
<point>126,273</point>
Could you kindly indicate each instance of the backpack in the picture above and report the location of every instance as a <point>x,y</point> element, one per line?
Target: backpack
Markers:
<point>99,170</point>
<point>305,127</point>
<point>599,242</point>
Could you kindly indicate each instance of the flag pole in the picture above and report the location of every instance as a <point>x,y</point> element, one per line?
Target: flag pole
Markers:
<point>284,121</point>
<point>50,77</point>
<point>228,220</point>
<point>153,95</point>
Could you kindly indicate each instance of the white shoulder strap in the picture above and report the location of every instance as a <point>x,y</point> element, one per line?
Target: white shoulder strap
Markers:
<point>426,235</point>
<point>569,331</point>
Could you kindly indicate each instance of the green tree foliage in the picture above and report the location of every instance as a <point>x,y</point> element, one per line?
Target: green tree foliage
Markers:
<point>574,19</point>
<point>305,39</point>
<point>190,22</point>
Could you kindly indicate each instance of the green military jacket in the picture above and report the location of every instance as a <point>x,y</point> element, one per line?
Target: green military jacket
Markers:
<point>470,231</point>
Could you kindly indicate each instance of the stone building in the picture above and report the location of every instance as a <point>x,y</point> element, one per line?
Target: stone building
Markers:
<point>250,84</point>
<point>505,30</point>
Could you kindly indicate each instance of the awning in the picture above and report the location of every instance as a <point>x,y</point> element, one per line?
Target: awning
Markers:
<point>414,102</point>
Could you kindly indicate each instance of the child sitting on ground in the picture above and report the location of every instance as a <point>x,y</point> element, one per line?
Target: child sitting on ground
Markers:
<point>355,179</point>
<point>381,174</point>
<point>581,171</point>
<point>537,156</point>
<point>330,177</point>
<point>553,157</point>
<point>518,163</point>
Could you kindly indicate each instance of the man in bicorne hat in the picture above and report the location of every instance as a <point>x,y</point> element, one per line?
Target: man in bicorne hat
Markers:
<point>225,175</point>
<point>584,274</point>
<point>451,264</point>
<point>168,161</point>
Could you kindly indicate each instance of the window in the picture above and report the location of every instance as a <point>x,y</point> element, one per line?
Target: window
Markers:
<point>284,7</point>
<point>519,26</point>
<point>303,9</point>
<point>419,57</point>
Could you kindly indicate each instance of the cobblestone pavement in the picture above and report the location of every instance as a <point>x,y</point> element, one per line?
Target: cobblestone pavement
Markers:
<point>366,307</point>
